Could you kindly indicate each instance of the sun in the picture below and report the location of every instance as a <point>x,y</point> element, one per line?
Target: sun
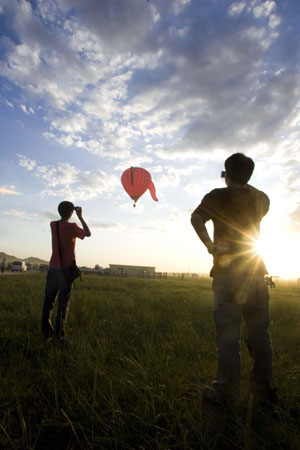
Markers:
<point>280,251</point>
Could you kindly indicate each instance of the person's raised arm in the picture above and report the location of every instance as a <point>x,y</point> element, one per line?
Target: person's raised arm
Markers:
<point>199,226</point>
<point>78,210</point>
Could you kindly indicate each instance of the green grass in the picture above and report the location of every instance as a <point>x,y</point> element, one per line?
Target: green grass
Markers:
<point>131,378</point>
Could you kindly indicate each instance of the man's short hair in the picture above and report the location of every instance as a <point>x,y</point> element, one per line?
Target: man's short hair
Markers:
<point>65,209</point>
<point>239,168</point>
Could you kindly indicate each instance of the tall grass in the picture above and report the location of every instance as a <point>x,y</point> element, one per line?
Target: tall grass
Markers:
<point>140,351</point>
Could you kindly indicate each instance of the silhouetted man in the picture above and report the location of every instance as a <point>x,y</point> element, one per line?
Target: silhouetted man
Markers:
<point>238,281</point>
<point>57,275</point>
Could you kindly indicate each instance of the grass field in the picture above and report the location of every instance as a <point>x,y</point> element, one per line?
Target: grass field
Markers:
<point>131,378</point>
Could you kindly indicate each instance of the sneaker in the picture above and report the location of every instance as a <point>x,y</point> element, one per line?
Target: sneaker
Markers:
<point>219,398</point>
<point>61,342</point>
<point>213,396</point>
<point>266,399</point>
<point>268,405</point>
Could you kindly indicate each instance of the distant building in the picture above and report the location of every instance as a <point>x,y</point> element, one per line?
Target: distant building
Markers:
<point>122,270</point>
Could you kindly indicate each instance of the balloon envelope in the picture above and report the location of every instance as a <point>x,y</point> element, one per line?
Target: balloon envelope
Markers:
<point>136,181</point>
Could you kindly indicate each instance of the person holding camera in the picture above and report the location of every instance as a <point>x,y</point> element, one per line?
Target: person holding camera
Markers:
<point>238,282</point>
<point>62,269</point>
<point>3,265</point>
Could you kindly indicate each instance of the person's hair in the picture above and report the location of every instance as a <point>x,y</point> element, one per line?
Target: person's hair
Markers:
<point>65,209</point>
<point>239,168</point>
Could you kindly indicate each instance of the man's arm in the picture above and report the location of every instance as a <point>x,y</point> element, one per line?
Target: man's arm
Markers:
<point>262,201</point>
<point>84,225</point>
<point>198,223</point>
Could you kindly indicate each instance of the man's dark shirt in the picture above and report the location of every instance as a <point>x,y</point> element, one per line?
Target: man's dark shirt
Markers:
<point>236,213</point>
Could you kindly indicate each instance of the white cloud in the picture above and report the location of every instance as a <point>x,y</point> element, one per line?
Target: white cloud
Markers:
<point>274,21</point>
<point>15,213</point>
<point>195,189</point>
<point>295,218</point>
<point>179,5</point>
<point>106,226</point>
<point>236,9</point>
<point>171,88</point>
<point>26,110</point>
<point>107,91</point>
<point>122,16</point>
<point>9,104</point>
<point>75,123</point>
<point>149,228</point>
<point>62,174</point>
<point>128,207</point>
<point>264,9</point>
<point>166,176</point>
<point>26,162</point>
<point>35,216</point>
<point>66,180</point>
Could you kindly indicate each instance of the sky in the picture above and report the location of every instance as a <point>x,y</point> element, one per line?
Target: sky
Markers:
<point>90,88</point>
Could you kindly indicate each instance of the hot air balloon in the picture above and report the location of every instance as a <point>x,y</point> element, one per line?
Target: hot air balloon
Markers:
<point>136,181</point>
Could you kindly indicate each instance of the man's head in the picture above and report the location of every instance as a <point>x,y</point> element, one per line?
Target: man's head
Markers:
<point>239,168</point>
<point>65,209</point>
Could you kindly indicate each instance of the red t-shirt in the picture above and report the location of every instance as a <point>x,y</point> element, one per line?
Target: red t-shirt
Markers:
<point>68,233</point>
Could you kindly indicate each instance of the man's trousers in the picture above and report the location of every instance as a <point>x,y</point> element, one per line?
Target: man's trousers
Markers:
<point>56,282</point>
<point>247,297</point>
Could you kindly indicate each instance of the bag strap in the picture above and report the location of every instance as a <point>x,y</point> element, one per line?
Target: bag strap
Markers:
<point>59,244</point>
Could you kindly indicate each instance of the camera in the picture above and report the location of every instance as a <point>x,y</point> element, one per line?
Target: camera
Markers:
<point>76,208</point>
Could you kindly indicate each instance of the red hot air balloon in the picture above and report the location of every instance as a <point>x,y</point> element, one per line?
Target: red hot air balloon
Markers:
<point>136,181</point>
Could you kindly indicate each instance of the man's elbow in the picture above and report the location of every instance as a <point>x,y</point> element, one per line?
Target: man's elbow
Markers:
<point>88,234</point>
<point>195,218</point>
<point>197,221</point>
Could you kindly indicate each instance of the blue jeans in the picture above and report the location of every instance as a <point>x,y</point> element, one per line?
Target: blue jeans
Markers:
<point>248,297</point>
<point>56,282</point>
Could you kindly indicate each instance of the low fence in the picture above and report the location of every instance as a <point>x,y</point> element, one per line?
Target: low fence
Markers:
<point>156,275</point>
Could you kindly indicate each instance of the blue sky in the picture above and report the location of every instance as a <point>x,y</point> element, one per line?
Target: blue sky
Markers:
<point>90,88</point>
